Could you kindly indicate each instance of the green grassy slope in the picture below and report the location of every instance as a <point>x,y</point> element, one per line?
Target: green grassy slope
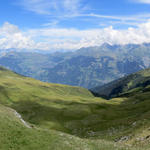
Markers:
<point>70,118</point>
<point>14,136</point>
<point>129,84</point>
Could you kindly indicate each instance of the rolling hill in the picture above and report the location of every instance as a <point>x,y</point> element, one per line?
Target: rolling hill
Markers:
<point>65,117</point>
<point>126,86</point>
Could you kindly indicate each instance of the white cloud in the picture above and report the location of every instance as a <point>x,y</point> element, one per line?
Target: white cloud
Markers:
<point>142,1</point>
<point>70,39</point>
<point>52,23</point>
<point>52,7</point>
<point>59,10</point>
<point>134,18</point>
<point>12,37</point>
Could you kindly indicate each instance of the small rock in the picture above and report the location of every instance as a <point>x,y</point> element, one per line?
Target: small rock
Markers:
<point>122,139</point>
<point>147,137</point>
<point>134,124</point>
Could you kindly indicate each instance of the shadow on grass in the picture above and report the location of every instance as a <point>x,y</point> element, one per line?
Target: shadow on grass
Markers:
<point>73,117</point>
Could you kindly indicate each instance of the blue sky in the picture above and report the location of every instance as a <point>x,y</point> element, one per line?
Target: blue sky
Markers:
<point>62,24</point>
<point>77,14</point>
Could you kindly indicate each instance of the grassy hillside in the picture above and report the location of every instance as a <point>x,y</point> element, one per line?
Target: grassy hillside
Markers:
<point>14,136</point>
<point>128,85</point>
<point>70,118</point>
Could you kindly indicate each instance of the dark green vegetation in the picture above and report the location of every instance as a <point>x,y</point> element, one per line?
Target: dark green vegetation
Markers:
<point>135,83</point>
<point>70,118</point>
<point>87,67</point>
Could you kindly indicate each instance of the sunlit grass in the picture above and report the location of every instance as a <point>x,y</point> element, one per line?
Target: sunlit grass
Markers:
<point>65,117</point>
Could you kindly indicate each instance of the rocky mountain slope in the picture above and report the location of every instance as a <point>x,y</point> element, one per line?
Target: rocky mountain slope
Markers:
<point>87,67</point>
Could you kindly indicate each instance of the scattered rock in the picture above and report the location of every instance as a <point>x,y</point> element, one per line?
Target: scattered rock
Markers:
<point>147,137</point>
<point>122,139</point>
<point>143,138</point>
<point>134,124</point>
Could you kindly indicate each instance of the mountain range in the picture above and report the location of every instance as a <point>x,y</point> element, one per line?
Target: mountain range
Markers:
<point>86,67</point>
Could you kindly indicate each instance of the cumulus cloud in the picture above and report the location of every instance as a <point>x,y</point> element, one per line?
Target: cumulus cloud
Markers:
<point>70,39</point>
<point>12,37</point>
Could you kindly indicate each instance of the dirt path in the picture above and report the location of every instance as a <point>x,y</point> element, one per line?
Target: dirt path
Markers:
<point>21,119</point>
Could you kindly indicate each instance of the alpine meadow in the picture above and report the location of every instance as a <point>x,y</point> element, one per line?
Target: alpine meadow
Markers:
<point>75,75</point>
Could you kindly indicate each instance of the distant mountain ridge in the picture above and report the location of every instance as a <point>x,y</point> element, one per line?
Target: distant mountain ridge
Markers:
<point>126,86</point>
<point>86,67</point>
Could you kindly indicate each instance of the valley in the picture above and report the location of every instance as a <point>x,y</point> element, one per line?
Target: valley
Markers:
<point>70,117</point>
<point>75,75</point>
